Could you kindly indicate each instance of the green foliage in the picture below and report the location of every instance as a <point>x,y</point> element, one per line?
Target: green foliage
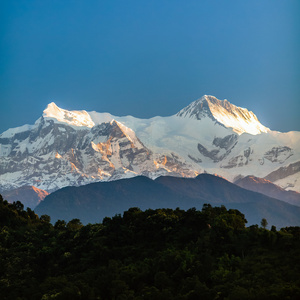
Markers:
<point>264,223</point>
<point>152,254</point>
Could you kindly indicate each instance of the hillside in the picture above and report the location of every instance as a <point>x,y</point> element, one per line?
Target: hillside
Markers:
<point>92,202</point>
<point>30,196</point>
<point>267,188</point>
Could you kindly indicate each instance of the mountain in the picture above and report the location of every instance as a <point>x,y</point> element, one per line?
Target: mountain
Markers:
<point>73,148</point>
<point>91,203</point>
<point>30,196</point>
<point>227,114</point>
<point>266,187</point>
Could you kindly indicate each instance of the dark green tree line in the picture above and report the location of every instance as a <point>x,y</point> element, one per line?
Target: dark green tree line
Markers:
<point>152,254</point>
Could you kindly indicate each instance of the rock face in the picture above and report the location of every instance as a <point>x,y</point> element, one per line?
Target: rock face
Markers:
<point>65,148</point>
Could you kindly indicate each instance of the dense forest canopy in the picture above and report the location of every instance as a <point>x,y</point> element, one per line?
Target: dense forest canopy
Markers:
<point>152,254</point>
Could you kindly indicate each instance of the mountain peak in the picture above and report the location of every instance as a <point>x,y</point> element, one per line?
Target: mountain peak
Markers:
<point>74,117</point>
<point>52,110</point>
<point>52,105</point>
<point>239,119</point>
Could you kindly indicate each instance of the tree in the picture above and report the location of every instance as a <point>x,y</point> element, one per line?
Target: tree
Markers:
<point>45,218</point>
<point>264,223</point>
<point>19,206</point>
<point>74,224</point>
<point>60,224</point>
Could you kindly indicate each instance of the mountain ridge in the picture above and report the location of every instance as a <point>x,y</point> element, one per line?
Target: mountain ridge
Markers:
<point>90,203</point>
<point>64,148</point>
<point>30,196</point>
<point>227,114</point>
<point>266,187</point>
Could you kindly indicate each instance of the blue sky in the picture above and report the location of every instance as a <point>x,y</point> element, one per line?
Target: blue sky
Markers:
<point>148,58</point>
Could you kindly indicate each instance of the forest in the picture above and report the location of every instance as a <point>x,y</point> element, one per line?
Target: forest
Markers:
<point>152,254</point>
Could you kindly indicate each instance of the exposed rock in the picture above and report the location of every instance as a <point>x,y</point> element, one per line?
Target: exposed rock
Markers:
<point>279,154</point>
<point>227,142</point>
<point>30,196</point>
<point>213,154</point>
<point>284,172</point>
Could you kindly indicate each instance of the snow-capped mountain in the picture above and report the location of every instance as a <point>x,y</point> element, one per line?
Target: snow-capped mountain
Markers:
<point>239,119</point>
<point>67,148</point>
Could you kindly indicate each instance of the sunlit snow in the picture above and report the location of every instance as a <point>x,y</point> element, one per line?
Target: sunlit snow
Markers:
<point>77,118</point>
<point>80,147</point>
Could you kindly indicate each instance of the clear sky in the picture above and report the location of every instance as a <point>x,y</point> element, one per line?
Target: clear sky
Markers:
<point>148,58</point>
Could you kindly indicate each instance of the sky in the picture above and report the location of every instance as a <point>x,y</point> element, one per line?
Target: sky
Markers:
<point>149,58</point>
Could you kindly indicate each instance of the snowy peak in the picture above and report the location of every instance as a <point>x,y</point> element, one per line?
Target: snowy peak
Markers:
<point>75,118</point>
<point>77,147</point>
<point>52,110</point>
<point>198,109</point>
<point>120,131</point>
<point>239,119</point>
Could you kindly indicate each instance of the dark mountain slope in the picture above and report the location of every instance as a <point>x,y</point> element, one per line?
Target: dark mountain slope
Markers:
<point>212,188</point>
<point>268,188</point>
<point>30,196</point>
<point>91,203</point>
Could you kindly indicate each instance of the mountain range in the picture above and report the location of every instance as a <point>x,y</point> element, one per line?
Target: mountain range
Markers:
<point>73,148</point>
